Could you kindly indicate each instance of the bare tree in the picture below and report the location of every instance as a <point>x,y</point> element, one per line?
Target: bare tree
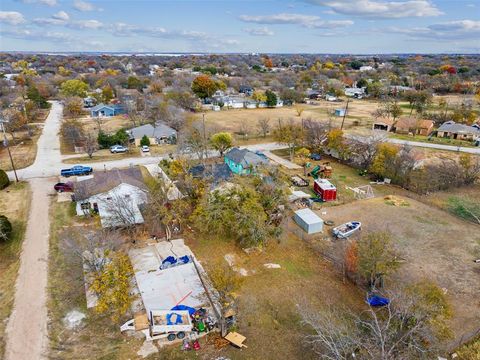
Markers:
<point>410,326</point>
<point>90,144</point>
<point>264,126</point>
<point>316,133</point>
<point>364,148</point>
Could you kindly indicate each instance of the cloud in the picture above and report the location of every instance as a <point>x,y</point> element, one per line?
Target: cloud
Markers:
<point>380,8</point>
<point>450,30</point>
<point>43,2</point>
<point>61,15</point>
<point>81,5</point>
<point>86,24</point>
<point>11,17</point>
<point>264,31</point>
<point>308,21</point>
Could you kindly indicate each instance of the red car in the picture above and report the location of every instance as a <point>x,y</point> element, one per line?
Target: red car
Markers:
<point>64,187</point>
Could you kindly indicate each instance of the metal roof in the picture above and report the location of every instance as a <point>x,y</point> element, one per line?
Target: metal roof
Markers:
<point>308,216</point>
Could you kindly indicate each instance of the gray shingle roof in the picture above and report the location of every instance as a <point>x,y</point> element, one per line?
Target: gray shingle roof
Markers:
<point>245,157</point>
<point>452,127</point>
<point>104,181</point>
<point>159,131</point>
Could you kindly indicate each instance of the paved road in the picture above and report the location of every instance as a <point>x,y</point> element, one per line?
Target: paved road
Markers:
<point>475,150</point>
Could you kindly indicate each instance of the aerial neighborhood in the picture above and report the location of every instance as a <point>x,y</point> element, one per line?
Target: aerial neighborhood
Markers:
<point>303,202</point>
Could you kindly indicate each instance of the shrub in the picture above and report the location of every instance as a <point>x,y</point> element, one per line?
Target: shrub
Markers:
<point>5,228</point>
<point>4,181</point>
<point>144,141</point>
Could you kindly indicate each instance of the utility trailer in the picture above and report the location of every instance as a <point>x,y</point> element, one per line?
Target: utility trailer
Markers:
<point>172,324</point>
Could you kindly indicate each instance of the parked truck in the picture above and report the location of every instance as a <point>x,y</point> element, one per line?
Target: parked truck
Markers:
<point>77,170</point>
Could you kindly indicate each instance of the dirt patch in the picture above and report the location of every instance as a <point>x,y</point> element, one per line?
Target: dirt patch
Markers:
<point>435,245</point>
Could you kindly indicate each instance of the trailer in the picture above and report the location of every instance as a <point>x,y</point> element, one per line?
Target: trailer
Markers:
<point>325,189</point>
<point>170,324</point>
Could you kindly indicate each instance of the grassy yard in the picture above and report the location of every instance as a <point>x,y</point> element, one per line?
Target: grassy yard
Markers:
<point>23,153</point>
<point>99,337</point>
<point>14,203</point>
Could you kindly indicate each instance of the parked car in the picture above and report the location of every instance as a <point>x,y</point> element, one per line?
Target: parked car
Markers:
<point>77,170</point>
<point>118,149</point>
<point>63,187</point>
<point>316,157</point>
<point>145,148</point>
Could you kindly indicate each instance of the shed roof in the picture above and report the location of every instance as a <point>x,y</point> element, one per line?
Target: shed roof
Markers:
<point>308,216</point>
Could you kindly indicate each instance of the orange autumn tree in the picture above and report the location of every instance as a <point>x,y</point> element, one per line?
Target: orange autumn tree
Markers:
<point>351,257</point>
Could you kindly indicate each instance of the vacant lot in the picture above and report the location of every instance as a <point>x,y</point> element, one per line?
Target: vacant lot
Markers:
<point>23,151</point>
<point>435,245</point>
<point>14,203</point>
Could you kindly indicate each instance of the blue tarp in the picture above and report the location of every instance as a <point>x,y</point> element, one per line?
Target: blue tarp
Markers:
<point>171,261</point>
<point>177,318</point>
<point>377,301</point>
<point>190,310</point>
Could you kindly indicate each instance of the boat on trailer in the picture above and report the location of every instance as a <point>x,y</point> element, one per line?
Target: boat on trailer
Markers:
<point>345,230</point>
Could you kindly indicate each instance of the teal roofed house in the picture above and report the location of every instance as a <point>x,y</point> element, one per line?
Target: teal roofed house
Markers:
<point>243,161</point>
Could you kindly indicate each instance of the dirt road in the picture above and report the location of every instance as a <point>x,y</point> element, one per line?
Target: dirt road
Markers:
<point>27,326</point>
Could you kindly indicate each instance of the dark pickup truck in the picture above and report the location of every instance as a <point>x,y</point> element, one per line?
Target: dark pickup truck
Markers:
<point>77,170</point>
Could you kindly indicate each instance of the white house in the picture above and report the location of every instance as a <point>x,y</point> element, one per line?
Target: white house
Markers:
<point>115,195</point>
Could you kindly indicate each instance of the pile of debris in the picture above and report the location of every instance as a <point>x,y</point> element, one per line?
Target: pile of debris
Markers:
<point>395,201</point>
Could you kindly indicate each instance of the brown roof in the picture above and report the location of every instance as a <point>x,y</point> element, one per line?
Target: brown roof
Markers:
<point>411,122</point>
<point>104,181</point>
<point>383,120</point>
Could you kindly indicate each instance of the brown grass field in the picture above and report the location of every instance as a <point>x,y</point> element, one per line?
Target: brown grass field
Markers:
<point>14,203</point>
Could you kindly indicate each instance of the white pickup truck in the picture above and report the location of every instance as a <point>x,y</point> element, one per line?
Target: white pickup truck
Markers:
<point>172,324</point>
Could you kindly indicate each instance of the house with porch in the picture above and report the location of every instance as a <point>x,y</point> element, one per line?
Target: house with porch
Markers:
<point>157,134</point>
<point>452,130</point>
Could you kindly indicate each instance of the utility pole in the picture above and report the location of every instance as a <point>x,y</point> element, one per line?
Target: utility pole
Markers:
<point>5,143</point>
<point>345,114</point>
<point>204,138</point>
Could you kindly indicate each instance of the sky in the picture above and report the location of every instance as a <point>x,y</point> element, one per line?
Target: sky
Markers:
<point>241,26</point>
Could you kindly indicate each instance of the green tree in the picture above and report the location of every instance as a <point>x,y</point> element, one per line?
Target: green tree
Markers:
<point>234,213</point>
<point>134,83</point>
<point>221,142</point>
<point>5,228</point>
<point>107,93</point>
<point>4,180</point>
<point>34,95</point>
<point>376,256</point>
<point>74,87</point>
<point>144,141</point>
<point>259,96</point>
<point>271,98</point>
<point>336,141</point>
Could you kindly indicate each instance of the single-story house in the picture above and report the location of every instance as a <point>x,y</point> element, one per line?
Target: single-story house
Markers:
<point>452,130</point>
<point>116,195</point>
<point>243,161</point>
<point>102,110</point>
<point>310,222</point>
<point>407,125</point>
<point>157,134</point>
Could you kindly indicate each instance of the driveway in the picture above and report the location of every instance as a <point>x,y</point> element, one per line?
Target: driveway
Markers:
<point>279,160</point>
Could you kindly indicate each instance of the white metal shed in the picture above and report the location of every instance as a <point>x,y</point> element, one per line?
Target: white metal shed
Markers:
<point>308,221</point>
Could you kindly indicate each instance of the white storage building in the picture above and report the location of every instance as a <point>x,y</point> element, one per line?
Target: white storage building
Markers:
<point>308,221</point>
